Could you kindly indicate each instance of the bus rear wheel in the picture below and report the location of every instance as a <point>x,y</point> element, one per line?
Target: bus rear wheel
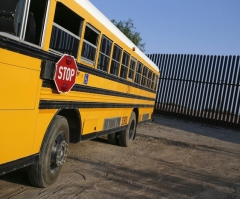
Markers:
<point>126,136</point>
<point>46,170</point>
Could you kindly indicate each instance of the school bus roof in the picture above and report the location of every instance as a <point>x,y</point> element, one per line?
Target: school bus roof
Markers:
<point>87,5</point>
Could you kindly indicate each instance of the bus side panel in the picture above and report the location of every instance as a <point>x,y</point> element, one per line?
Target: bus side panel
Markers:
<point>20,88</point>
<point>93,119</point>
<point>16,134</point>
<point>19,80</point>
<point>147,112</point>
<point>45,117</point>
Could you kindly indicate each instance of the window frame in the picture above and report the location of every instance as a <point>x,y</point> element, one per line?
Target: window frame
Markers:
<point>132,70</point>
<point>68,32</point>
<point>22,33</point>
<point>153,81</point>
<point>114,60</point>
<point>149,79</point>
<point>139,74</point>
<point>125,66</point>
<point>144,76</point>
<point>156,82</point>
<point>89,43</point>
<point>103,54</point>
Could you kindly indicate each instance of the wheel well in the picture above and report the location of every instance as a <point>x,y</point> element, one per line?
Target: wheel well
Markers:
<point>74,122</point>
<point>137,113</point>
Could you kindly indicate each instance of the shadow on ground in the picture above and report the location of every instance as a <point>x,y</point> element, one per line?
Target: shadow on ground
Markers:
<point>226,135</point>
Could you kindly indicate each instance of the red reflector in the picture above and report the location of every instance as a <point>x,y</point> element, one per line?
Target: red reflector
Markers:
<point>68,60</point>
<point>64,87</point>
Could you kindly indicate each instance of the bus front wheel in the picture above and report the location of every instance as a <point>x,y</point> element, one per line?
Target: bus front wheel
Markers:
<point>126,136</point>
<point>45,171</point>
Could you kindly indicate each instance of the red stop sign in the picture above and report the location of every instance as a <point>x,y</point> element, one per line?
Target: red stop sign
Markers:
<point>65,73</point>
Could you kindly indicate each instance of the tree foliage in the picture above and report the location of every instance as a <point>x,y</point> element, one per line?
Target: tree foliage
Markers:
<point>127,27</point>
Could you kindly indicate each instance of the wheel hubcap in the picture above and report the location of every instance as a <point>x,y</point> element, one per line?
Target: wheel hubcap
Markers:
<point>58,153</point>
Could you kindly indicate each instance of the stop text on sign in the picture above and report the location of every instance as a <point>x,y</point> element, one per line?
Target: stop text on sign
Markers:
<point>66,73</point>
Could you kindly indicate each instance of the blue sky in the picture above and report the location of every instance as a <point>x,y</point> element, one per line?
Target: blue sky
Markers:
<point>206,27</point>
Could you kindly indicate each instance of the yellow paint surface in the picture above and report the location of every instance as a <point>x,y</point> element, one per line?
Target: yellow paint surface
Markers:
<point>19,90</point>
<point>43,121</point>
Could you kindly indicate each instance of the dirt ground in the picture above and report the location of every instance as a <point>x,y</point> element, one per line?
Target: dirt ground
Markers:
<point>168,159</point>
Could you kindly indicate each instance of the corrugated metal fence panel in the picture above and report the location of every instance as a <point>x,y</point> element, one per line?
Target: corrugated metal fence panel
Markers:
<point>200,88</point>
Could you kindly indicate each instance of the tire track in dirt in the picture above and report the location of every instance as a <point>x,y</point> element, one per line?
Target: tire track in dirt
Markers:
<point>13,193</point>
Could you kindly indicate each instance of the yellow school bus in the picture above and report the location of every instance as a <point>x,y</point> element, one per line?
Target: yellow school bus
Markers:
<point>113,87</point>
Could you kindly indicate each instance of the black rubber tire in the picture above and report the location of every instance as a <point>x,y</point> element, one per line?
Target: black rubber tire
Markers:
<point>126,136</point>
<point>45,171</point>
<point>113,138</point>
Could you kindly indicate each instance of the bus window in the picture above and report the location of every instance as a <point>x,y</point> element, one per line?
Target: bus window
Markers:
<point>132,68</point>
<point>66,30</point>
<point>35,21</point>
<point>90,44</point>
<point>104,54</point>
<point>144,76</point>
<point>153,81</point>
<point>138,73</point>
<point>149,79</point>
<point>12,18</point>
<point>11,15</point>
<point>117,51</point>
<point>125,61</point>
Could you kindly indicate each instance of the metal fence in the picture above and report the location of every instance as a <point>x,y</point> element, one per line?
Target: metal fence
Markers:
<point>199,88</point>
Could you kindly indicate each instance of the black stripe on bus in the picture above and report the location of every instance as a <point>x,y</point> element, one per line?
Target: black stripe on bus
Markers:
<point>47,104</point>
<point>101,133</point>
<point>16,46</point>
<point>105,75</point>
<point>17,164</point>
<point>88,89</point>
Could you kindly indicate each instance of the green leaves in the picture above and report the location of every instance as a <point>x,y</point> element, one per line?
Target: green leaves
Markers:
<point>127,28</point>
